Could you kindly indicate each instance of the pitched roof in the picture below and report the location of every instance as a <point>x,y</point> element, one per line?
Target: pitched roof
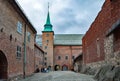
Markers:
<point>68,39</point>
<point>20,11</point>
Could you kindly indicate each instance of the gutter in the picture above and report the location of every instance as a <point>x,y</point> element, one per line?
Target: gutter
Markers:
<point>24,57</point>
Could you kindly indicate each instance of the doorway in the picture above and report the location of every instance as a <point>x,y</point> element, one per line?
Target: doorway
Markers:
<point>57,67</point>
<point>3,66</point>
<point>64,67</point>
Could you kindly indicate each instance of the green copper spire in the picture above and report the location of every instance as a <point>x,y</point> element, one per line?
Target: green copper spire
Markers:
<point>48,19</point>
<point>48,25</point>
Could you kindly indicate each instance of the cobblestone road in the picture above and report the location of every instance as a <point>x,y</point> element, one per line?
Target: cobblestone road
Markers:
<point>59,76</point>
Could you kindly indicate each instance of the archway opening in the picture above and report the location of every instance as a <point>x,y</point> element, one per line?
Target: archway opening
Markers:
<point>3,66</point>
<point>57,67</point>
<point>64,67</point>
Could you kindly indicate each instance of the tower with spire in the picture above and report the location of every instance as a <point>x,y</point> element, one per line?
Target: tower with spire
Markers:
<point>48,25</point>
<point>47,42</point>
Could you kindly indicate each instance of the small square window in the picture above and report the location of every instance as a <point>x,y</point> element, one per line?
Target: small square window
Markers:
<point>47,41</point>
<point>19,27</point>
<point>45,47</point>
<point>59,57</point>
<point>47,35</point>
<point>45,58</point>
<point>66,57</point>
<point>45,53</point>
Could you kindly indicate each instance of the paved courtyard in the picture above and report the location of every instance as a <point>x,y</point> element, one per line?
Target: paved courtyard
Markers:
<point>59,76</point>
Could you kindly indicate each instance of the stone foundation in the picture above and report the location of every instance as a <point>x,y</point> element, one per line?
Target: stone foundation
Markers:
<point>112,57</point>
<point>15,78</point>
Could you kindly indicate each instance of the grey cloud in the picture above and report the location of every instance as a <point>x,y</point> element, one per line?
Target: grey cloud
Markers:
<point>68,16</point>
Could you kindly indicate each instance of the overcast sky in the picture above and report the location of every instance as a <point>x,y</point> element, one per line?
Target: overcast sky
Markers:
<point>67,16</point>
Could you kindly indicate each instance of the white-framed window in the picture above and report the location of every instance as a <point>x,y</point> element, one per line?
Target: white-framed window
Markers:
<point>19,27</point>
<point>28,36</point>
<point>18,54</point>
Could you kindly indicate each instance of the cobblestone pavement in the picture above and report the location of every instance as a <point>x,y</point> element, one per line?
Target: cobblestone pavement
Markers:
<point>59,76</point>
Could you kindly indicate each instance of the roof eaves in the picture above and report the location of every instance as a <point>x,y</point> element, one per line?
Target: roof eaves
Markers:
<point>21,12</point>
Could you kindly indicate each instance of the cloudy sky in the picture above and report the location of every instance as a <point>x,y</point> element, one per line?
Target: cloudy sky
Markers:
<point>67,16</point>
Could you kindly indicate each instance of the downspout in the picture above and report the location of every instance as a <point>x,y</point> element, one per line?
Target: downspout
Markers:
<point>24,57</point>
<point>71,67</point>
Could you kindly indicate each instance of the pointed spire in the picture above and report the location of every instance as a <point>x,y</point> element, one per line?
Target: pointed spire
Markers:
<point>48,19</point>
<point>48,25</point>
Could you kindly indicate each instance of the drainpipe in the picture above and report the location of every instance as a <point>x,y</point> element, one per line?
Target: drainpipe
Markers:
<point>71,66</point>
<point>24,57</point>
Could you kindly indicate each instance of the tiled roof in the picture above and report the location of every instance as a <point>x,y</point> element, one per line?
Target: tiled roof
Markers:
<point>68,39</point>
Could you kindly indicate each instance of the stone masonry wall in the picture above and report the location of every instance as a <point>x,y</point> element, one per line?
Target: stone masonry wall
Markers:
<point>98,31</point>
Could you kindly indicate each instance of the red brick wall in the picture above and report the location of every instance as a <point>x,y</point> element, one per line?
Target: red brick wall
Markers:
<point>63,51</point>
<point>38,57</point>
<point>49,50</point>
<point>8,26</point>
<point>103,22</point>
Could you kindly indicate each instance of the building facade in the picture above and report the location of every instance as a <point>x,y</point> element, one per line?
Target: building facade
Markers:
<point>47,43</point>
<point>101,43</point>
<point>17,37</point>
<point>60,49</point>
<point>39,58</point>
<point>66,48</point>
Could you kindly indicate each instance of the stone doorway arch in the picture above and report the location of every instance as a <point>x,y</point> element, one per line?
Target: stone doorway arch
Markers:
<point>57,67</point>
<point>65,67</point>
<point>3,66</point>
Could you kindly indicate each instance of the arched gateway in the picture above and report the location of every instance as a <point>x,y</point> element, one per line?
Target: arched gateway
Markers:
<point>57,67</point>
<point>64,67</point>
<point>3,66</point>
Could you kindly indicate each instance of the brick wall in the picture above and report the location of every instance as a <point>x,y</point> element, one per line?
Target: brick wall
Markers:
<point>47,46</point>
<point>10,39</point>
<point>64,51</point>
<point>94,49</point>
<point>39,57</point>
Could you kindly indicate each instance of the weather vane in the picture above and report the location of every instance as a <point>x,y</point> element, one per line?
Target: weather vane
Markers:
<point>48,6</point>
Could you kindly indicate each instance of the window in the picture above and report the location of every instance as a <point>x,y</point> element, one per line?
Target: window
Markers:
<point>66,57</point>
<point>45,64</point>
<point>45,47</point>
<point>45,58</point>
<point>73,57</point>
<point>28,36</point>
<point>47,41</point>
<point>47,35</point>
<point>59,57</point>
<point>19,27</point>
<point>45,53</point>
<point>18,52</point>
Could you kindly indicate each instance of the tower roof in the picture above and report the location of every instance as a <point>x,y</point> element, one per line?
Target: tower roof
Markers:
<point>48,25</point>
<point>68,39</point>
<point>48,19</point>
